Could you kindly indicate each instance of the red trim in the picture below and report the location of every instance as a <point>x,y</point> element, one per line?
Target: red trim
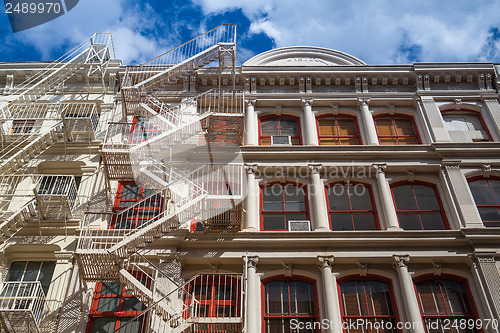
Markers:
<point>306,202</point>
<point>289,279</point>
<point>436,193</point>
<point>354,183</point>
<point>400,115</point>
<point>325,116</point>
<point>463,281</point>
<point>280,117</point>
<point>369,277</point>
<point>478,114</point>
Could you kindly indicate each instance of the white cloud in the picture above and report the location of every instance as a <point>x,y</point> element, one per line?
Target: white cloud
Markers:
<point>373,30</point>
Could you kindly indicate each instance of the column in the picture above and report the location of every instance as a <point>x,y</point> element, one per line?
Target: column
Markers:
<point>311,133</point>
<point>490,279</point>
<point>493,108</point>
<point>434,119</point>
<point>332,310</point>
<point>253,292</point>
<point>251,222</point>
<point>408,290</point>
<point>318,200</point>
<point>251,124</point>
<point>463,197</point>
<point>389,211</point>
<point>59,286</point>
<point>371,132</point>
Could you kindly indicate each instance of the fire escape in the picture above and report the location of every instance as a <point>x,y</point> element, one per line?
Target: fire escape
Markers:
<point>195,178</point>
<point>29,125</point>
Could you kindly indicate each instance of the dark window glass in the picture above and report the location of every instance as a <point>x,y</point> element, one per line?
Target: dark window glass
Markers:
<point>279,127</point>
<point>281,204</point>
<point>486,193</point>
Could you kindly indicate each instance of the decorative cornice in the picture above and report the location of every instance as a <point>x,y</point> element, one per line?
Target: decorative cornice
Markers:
<point>64,257</point>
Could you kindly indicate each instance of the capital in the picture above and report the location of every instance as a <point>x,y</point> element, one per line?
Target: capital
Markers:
<point>326,261</point>
<point>379,168</point>
<point>363,102</point>
<point>401,260</point>
<point>253,261</point>
<point>314,169</point>
<point>251,101</point>
<point>251,168</point>
<point>307,102</point>
<point>64,257</point>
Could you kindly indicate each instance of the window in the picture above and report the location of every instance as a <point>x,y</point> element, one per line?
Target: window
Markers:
<point>128,195</point>
<point>279,130</point>
<point>444,299</point>
<point>142,130</point>
<point>112,306</point>
<point>289,299</point>
<point>396,130</point>
<point>418,207</point>
<point>486,193</point>
<point>282,203</point>
<point>32,271</point>
<point>22,126</point>
<point>465,126</point>
<point>370,300</point>
<point>351,207</point>
<point>338,130</point>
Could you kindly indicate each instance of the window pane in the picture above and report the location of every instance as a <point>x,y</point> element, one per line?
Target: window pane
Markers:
<point>364,221</point>
<point>111,288</point>
<point>16,271</point>
<point>489,214</point>
<point>289,127</point>
<point>378,293</point>
<point>388,141</point>
<point>385,126</point>
<point>338,198</point>
<point>131,192</point>
<point>294,199</point>
<point>409,221</point>
<point>133,327</point>
<point>426,197</point>
<point>455,123</point>
<point>265,141</point>
<point>407,140</point>
<point>295,217</point>
<point>403,195</point>
<point>404,126</point>
<point>432,221</point>
<point>349,141</point>
<point>45,276</point>
<point>32,270</point>
<point>269,127</point>
<point>272,198</point>
<point>327,127</point>
<point>108,304</point>
<point>482,193</point>
<point>495,187</point>
<point>353,298</point>
<point>347,127</point>
<point>329,141</point>
<point>274,222</point>
<point>104,325</point>
<point>276,297</point>
<point>341,221</point>
<point>360,197</point>
<point>132,304</point>
<point>301,297</point>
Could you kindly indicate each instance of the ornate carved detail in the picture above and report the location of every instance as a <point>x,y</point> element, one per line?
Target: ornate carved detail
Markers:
<point>64,257</point>
<point>379,168</point>
<point>314,169</point>
<point>363,102</point>
<point>253,261</point>
<point>288,269</point>
<point>486,170</point>
<point>278,110</point>
<point>251,168</point>
<point>214,267</point>
<point>326,261</point>
<point>458,103</point>
<point>251,101</point>
<point>438,267</point>
<point>335,109</point>
<point>401,260</point>
<point>363,269</point>
<point>411,176</point>
<point>451,165</point>
<point>307,102</point>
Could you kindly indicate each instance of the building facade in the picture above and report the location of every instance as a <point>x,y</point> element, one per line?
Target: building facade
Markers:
<point>302,191</point>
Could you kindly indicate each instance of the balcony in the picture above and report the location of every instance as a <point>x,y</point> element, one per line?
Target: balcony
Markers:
<point>115,151</point>
<point>56,196</point>
<point>22,306</point>
<point>80,121</point>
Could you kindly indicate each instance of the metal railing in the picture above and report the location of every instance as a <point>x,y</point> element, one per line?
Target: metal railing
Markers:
<point>26,296</point>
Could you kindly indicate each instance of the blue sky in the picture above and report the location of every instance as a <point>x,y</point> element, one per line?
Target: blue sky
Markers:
<point>378,32</point>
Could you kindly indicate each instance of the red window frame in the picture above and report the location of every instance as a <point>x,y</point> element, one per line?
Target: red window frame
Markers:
<point>295,278</point>
<point>497,200</point>
<point>338,137</point>
<point>135,214</point>
<point>475,113</point>
<point>296,140</point>
<point>351,212</point>
<point>146,130</point>
<point>120,315</point>
<point>472,314</point>
<point>283,212</point>
<point>396,137</point>
<point>419,211</point>
<point>394,318</point>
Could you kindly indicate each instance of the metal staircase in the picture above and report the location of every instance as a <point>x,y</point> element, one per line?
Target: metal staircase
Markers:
<point>106,250</point>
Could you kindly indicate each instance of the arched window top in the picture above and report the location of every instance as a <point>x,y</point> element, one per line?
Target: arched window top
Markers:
<point>282,203</point>
<point>397,129</point>
<point>338,130</point>
<point>486,193</point>
<point>351,206</point>
<point>418,206</point>
<point>465,126</point>
<point>279,130</point>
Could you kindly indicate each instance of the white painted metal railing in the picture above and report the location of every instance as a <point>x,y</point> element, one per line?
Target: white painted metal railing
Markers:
<point>24,298</point>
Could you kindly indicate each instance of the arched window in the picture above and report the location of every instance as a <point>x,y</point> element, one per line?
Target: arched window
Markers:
<point>465,126</point>
<point>287,299</point>
<point>282,203</point>
<point>486,193</point>
<point>351,207</point>
<point>418,206</point>
<point>279,130</point>
<point>396,130</point>
<point>444,302</point>
<point>367,299</point>
<point>338,130</point>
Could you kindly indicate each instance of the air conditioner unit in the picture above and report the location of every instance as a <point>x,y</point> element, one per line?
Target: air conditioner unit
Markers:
<point>299,225</point>
<point>281,140</point>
